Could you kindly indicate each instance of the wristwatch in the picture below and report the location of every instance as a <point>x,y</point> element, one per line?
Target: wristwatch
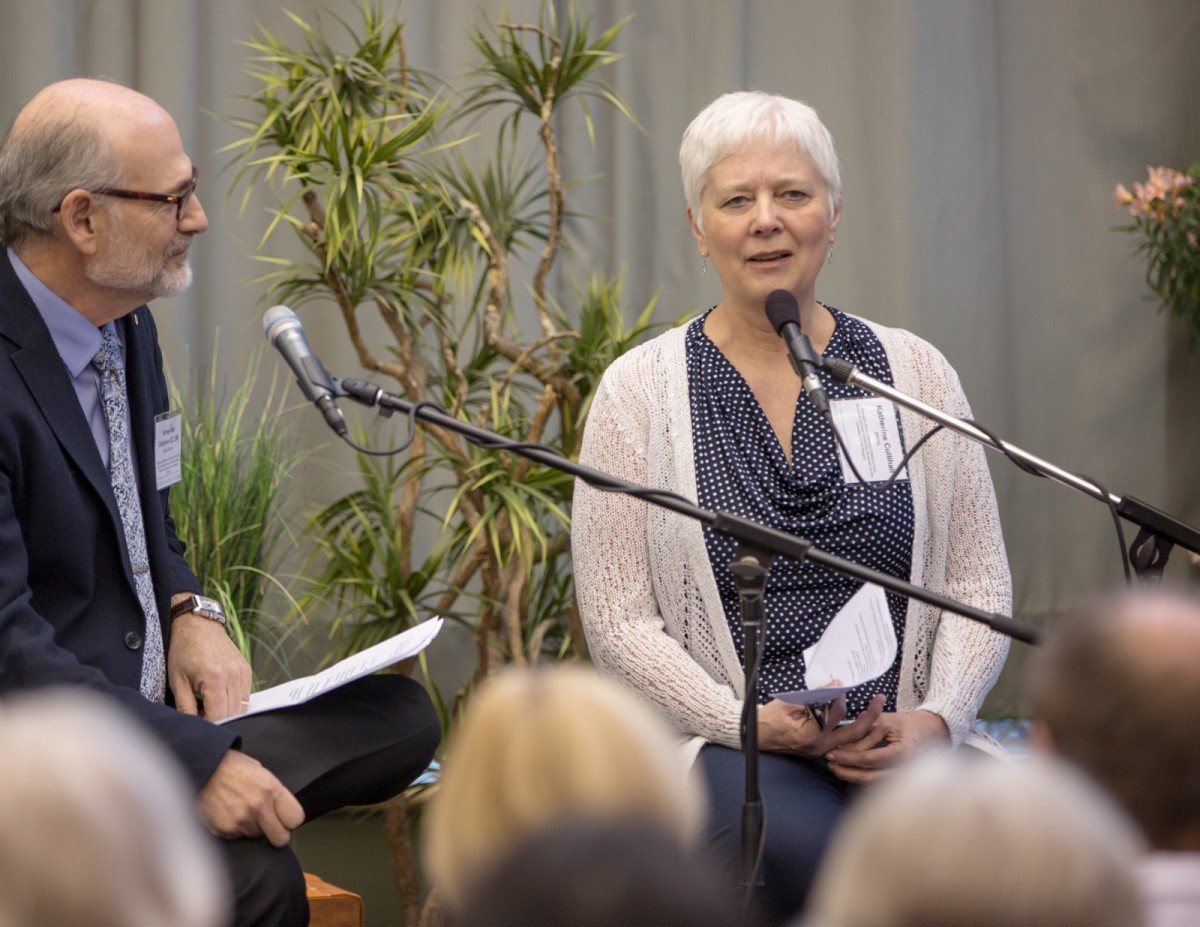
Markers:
<point>200,605</point>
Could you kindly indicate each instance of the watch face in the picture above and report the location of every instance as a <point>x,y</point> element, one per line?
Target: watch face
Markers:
<point>202,606</point>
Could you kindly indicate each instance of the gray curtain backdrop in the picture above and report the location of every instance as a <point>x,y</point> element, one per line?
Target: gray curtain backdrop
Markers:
<point>980,142</point>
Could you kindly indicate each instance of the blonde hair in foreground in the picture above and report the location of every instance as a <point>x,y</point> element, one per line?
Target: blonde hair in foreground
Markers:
<point>539,746</point>
<point>98,827</point>
<point>981,843</point>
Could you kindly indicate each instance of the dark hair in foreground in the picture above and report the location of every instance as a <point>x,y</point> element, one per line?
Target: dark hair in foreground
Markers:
<point>613,873</point>
<point>1117,687</point>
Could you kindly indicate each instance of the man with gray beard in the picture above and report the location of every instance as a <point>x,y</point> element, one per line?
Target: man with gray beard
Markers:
<point>98,211</point>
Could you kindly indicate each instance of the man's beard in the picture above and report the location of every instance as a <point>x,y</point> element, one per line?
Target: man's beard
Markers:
<point>133,269</point>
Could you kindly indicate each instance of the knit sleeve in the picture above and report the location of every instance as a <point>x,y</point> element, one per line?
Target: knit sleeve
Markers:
<point>965,558</point>
<point>618,580</point>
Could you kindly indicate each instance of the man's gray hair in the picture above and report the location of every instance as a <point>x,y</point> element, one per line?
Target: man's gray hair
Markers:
<point>41,161</point>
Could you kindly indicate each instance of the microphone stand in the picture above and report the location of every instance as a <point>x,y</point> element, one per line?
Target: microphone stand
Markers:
<point>1159,531</point>
<point>749,567</point>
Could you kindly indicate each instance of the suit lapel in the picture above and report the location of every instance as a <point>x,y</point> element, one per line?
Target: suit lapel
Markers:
<point>139,386</point>
<point>36,359</point>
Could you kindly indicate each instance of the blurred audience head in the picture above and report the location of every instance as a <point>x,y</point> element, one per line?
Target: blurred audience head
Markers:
<point>535,747</point>
<point>957,842</point>
<point>1115,690</point>
<point>98,822</point>
<point>617,873</point>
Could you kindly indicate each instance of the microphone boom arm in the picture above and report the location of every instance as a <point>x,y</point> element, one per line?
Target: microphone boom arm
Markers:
<point>758,536</point>
<point>1151,520</point>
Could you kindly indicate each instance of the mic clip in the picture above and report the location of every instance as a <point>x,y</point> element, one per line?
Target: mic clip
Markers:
<point>363,392</point>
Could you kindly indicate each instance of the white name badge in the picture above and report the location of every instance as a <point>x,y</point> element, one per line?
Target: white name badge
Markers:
<point>871,433</point>
<point>168,449</point>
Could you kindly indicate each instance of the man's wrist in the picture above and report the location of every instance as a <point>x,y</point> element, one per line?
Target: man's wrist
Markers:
<point>201,605</point>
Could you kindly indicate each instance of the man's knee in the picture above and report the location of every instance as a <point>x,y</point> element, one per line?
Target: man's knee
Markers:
<point>268,884</point>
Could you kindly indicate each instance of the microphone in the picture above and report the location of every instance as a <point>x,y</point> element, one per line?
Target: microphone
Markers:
<point>784,315</point>
<point>283,329</point>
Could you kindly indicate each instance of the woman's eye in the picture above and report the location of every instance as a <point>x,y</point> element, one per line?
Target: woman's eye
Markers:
<point>795,196</point>
<point>737,201</point>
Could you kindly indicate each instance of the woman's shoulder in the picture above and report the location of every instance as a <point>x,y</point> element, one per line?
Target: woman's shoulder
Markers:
<point>662,355</point>
<point>900,341</point>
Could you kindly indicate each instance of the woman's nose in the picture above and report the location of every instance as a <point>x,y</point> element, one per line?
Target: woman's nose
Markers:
<point>766,216</point>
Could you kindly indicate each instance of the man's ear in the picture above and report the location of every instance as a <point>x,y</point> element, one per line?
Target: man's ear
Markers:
<point>1041,740</point>
<point>79,217</point>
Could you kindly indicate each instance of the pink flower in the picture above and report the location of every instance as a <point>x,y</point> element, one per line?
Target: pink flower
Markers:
<point>1159,195</point>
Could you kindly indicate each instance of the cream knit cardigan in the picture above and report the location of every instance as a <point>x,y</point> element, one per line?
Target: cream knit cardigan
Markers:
<point>647,597</point>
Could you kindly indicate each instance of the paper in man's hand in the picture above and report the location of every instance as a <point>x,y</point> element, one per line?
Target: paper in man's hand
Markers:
<point>384,654</point>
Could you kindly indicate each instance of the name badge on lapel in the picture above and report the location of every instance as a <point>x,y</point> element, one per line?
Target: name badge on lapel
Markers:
<point>872,435</point>
<point>168,449</point>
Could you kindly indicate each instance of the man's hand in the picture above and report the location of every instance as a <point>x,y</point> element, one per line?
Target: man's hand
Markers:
<point>894,738</point>
<point>787,728</point>
<point>242,798</point>
<point>205,666</point>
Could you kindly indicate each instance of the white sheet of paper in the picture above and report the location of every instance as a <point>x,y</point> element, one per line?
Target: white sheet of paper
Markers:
<point>858,645</point>
<point>386,653</point>
<point>872,434</point>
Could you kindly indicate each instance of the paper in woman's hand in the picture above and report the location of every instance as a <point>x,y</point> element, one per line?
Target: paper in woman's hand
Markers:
<point>380,656</point>
<point>858,645</point>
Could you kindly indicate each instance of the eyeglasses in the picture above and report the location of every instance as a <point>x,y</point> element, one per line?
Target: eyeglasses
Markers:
<point>178,200</point>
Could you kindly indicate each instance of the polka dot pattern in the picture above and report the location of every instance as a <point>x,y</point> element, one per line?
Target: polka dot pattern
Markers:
<point>741,468</point>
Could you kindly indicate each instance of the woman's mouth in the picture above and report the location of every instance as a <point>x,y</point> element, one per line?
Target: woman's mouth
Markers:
<point>768,257</point>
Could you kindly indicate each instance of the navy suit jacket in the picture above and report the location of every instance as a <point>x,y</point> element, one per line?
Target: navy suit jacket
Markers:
<point>69,611</point>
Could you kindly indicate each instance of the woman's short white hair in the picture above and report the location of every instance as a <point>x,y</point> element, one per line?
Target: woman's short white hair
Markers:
<point>733,120</point>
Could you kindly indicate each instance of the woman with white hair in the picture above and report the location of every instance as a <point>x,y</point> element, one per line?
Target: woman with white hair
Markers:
<point>714,411</point>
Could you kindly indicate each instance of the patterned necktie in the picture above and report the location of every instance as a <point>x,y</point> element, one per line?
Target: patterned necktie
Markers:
<point>116,413</point>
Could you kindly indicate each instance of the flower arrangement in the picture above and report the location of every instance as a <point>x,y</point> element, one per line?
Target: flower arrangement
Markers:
<point>1166,213</point>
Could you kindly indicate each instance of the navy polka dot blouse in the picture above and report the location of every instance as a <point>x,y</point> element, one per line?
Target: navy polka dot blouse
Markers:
<point>741,468</point>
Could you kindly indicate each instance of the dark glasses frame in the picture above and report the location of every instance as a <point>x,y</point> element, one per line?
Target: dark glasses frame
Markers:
<point>178,200</point>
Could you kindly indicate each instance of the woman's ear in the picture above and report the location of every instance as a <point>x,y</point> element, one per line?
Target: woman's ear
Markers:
<point>697,233</point>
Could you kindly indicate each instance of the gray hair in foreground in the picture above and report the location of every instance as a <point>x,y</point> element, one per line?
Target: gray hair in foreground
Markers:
<point>99,822</point>
<point>956,842</point>
<point>734,120</point>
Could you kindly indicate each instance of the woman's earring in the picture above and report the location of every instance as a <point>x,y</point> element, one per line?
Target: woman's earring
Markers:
<point>703,264</point>
<point>829,256</point>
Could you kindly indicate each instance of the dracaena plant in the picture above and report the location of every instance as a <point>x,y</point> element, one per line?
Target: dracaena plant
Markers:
<point>412,200</point>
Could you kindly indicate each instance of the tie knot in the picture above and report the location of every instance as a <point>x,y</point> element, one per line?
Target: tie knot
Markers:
<point>108,358</point>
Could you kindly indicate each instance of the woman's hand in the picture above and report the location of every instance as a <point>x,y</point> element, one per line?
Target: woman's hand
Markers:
<point>894,738</point>
<point>787,728</point>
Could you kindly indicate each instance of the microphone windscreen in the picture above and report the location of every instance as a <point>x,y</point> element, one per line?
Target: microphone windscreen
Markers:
<point>276,319</point>
<point>781,309</point>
